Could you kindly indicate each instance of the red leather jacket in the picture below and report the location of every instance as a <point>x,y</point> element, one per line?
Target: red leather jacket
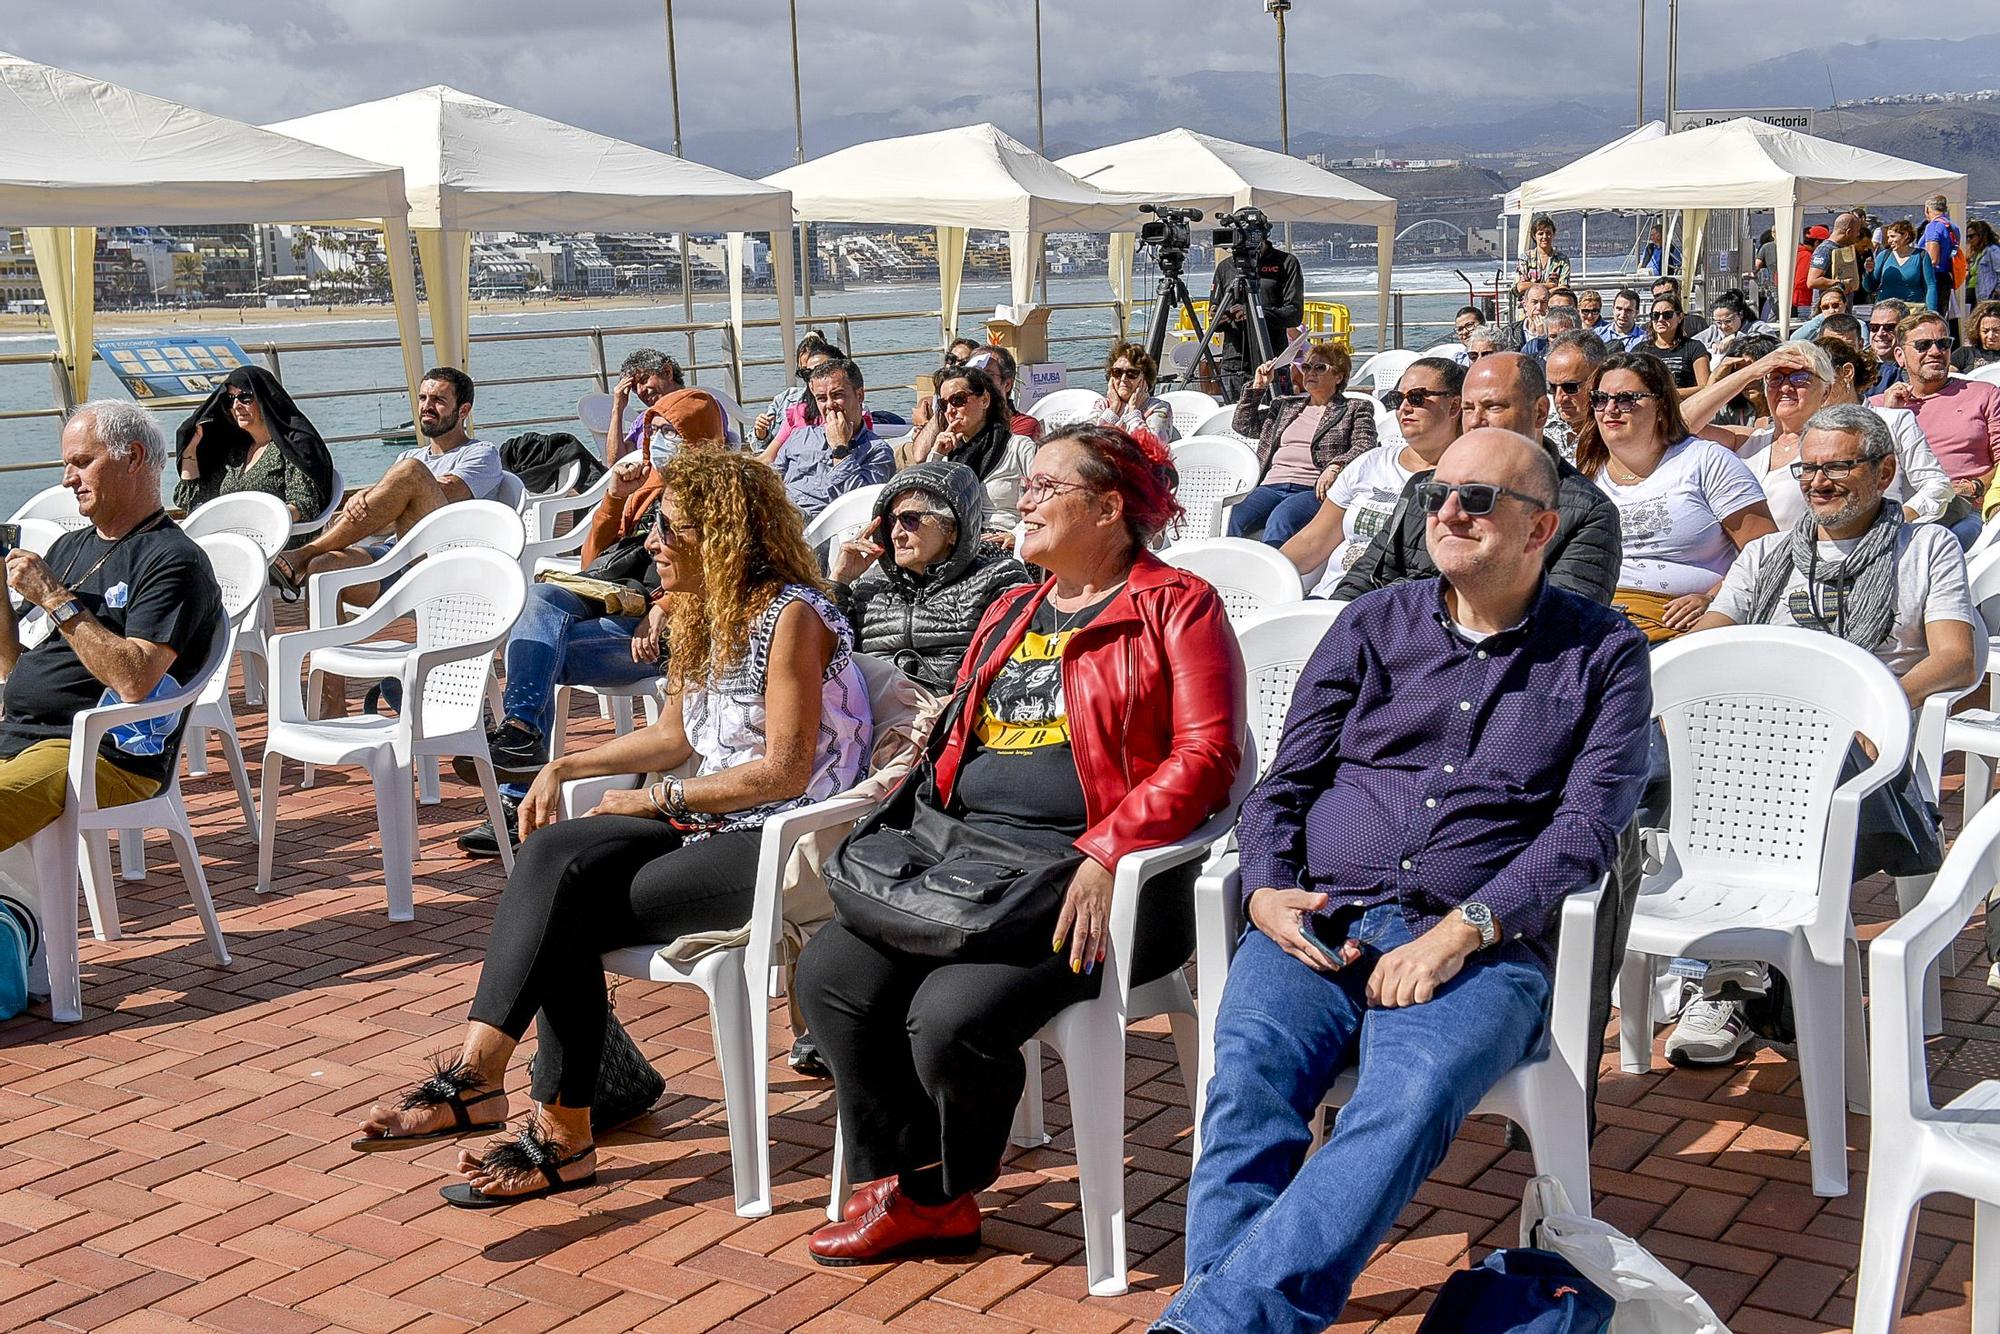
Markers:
<point>1154,689</point>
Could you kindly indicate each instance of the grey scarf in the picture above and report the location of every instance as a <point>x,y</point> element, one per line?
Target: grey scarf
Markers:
<point>1865,579</point>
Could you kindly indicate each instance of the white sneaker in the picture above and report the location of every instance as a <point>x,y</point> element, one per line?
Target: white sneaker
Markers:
<point>1710,1032</point>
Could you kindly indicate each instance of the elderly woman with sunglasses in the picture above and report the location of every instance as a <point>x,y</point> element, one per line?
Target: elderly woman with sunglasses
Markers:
<point>1799,379</point>
<point>1304,444</point>
<point>1129,401</point>
<point>1102,715</point>
<point>768,705</point>
<point>1686,506</point>
<point>1362,499</point>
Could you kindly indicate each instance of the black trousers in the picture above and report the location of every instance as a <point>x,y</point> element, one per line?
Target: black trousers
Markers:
<point>582,887</point>
<point>926,1052</point>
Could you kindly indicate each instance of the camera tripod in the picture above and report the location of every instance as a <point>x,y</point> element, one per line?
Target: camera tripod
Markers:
<point>1172,297</point>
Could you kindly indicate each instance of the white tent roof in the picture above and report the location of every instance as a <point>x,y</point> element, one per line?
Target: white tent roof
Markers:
<point>474,165</point>
<point>83,152</point>
<point>1646,133</point>
<point>1738,164</point>
<point>1185,167</point>
<point>975,176</point>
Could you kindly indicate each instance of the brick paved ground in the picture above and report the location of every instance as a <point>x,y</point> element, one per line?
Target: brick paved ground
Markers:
<point>181,1155</point>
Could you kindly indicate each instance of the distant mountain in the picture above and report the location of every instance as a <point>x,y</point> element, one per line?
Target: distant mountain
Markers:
<point>1960,136</point>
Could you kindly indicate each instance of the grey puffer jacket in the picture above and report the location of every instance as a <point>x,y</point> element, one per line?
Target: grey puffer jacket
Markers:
<point>923,623</point>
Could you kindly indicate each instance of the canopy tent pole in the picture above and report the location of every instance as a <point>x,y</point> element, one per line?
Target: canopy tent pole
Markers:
<point>1785,223</point>
<point>403,289</point>
<point>1385,260</point>
<point>447,261</point>
<point>66,262</point>
<point>1122,249</point>
<point>782,273</point>
<point>1694,229</point>
<point>1024,259</point>
<point>734,258</point>
<point>951,275</point>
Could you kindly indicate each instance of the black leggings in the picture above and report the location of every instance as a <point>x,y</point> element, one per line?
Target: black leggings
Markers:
<point>926,1052</point>
<point>582,887</point>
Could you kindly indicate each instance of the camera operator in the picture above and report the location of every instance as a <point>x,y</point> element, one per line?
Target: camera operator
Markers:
<point>130,603</point>
<point>1280,285</point>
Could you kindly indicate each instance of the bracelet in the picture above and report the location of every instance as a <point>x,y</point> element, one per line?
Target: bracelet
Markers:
<point>655,794</point>
<point>676,799</point>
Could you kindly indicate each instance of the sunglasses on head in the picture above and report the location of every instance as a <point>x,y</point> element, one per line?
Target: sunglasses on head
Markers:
<point>1416,398</point>
<point>1475,498</point>
<point>1627,401</point>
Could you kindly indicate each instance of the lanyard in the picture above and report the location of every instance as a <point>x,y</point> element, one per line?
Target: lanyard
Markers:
<point>147,525</point>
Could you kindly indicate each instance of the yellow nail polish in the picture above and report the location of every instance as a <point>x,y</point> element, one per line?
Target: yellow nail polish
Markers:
<point>1075,966</point>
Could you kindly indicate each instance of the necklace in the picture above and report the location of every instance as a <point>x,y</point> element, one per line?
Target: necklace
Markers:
<point>1629,477</point>
<point>1066,620</point>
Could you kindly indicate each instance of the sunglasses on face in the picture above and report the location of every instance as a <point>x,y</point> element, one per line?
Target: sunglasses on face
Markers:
<point>909,520</point>
<point>1930,344</point>
<point>235,396</point>
<point>1665,316</point>
<point>1416,398</point>
<point>1568,386</point>
<point>960,399</point>
<point>674,534</point>
<point>1124,373</point>
<point>1475,498</point>
<point>1626,401</point>
<point>1888,328</point>
<point>951,360</point>
<point>1835,469</point>
<point>1791,379</point>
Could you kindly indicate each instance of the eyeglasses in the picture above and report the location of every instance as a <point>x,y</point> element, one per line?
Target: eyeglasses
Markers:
<point>1835,469</point>
<point>1568,386</point>
<point>1626,401</point>
<point>1888,328</point>
<point>1041,486</point>
<point>234,396</point>
<point>1311,368</point>
<point>1463,329</point>
<point>1793,379</point>
<point>960,399</point>
<point>909,520</point>
<point>1416,398</point>
<point>1929,344</point>
<point>1475,498</point>
<point>1125,373</point>
<point>674,534</point>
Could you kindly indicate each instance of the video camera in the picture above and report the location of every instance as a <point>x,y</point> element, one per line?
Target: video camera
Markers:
<point>1170,229</point>
<point>1245,229</point>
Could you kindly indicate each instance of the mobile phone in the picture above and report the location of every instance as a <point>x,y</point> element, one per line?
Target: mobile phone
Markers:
<point>10,537</point>
<point>1328,934</point>
<point>1281,381</point>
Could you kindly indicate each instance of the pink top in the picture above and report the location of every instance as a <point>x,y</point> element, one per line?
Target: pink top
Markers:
<point>1293,463</point>
<point>1962,422</point>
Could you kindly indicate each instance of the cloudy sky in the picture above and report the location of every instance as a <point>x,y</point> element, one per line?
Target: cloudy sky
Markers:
<point>602,64</point>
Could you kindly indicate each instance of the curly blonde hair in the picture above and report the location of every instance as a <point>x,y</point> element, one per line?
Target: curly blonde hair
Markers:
<point>749,543</point>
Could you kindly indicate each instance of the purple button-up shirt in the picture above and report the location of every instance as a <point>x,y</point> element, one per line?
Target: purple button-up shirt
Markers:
<point>1424,770</point>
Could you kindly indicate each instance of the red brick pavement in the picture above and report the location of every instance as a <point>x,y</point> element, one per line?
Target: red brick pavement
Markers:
<point>180,1157</point>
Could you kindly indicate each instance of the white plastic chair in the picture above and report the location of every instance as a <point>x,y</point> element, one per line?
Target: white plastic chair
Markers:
<point>531,501</point>
<point>464,602</point>
<point>1989,373</point>
<point>846,515</point>
<point>55,504</point>
<point>735,980</point>
<point>613,701</point>
<point>1065,407</point>
<point>1222,423</point>
<point>266,521</point>
<point>1190,408</point>
<point>1388,430</point>
<point>336,496</point>
<point>544,549</point>
<point>736,420</point>
<point>466,524</point>
<point>1545,1097</point>
<point>1915,1148</point>
<point>1277,643</point>
<point>594,411</point>
<point>1215,473</point>
<point>84,824</point>
<point>511,493</point>
<point>240,567</point>
<point>1090,1038</point>
<point>1760,842</point>
<point>1451,350</point>
<point>1250,576</point>
<point>1384,369</point>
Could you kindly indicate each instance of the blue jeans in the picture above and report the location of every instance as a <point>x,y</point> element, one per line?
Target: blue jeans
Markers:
<point>1280,510</point>
<point>560,640</point>
<point>1275,1240</point>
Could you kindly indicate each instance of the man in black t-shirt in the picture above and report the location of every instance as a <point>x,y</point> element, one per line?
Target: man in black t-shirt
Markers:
<point>126,607</point>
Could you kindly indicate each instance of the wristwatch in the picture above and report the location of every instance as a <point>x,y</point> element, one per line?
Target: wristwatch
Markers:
<point>65,612</point>
<point>1480,918</point>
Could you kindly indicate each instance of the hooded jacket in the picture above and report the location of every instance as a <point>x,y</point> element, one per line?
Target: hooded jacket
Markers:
<point>923,623</point>
<point>225,445</point>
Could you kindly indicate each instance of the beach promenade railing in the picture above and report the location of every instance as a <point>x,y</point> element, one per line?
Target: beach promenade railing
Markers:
<point>1080,334</point>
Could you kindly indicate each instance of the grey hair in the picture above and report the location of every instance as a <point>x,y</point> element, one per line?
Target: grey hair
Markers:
<point>1895,304</point>
<point>1583,340</point>
<point>927,500</point>
<point>1937,204</point>
<point>1856,420</point>
<point>1484,334</point>
<point>1564,315</point>
<point>649,361</point>
<point>119,425</point>
<point>1822,364</point>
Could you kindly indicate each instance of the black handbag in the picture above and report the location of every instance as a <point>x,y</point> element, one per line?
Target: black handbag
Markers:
<point>627,1084</point>
<point>914,878</point>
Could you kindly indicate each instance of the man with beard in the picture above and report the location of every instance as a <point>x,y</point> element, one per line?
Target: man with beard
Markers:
<point>451,466</point>
<point>1961,418</point>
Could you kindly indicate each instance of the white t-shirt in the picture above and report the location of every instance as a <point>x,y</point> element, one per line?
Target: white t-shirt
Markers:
<point>1919,482</point>
<point>475,463</point>
<point>1367,489</point>
<point>1672,521</point>
<point>1930,586</point>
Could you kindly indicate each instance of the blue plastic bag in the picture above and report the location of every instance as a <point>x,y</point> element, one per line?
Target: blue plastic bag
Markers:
<point>1519,1291</point>
<point>18,939</point>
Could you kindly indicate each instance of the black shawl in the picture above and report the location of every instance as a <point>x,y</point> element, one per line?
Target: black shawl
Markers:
<point>224,444</point>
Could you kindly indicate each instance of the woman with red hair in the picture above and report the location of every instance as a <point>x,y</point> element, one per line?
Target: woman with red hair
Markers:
<point>1101,715</point>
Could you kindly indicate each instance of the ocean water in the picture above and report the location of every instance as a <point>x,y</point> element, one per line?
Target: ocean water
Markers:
<point>307,370</point>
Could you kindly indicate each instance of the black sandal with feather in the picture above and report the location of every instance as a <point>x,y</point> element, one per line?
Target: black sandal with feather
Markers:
<point>447,1086</point>
<point>526,1153</point>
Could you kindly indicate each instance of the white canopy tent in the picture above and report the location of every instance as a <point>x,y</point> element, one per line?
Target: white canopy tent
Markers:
<point>473,165</point>
<point>82,153</point>
<point>1741,164</point>
<point>1194,170</point>
<point>974,177</point>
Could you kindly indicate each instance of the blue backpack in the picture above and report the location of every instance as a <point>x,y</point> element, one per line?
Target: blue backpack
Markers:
<point>20,937</point>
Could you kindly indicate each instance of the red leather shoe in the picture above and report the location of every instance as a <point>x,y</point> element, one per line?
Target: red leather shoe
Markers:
<point>866,1197</point>
<point>897,1227</point>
